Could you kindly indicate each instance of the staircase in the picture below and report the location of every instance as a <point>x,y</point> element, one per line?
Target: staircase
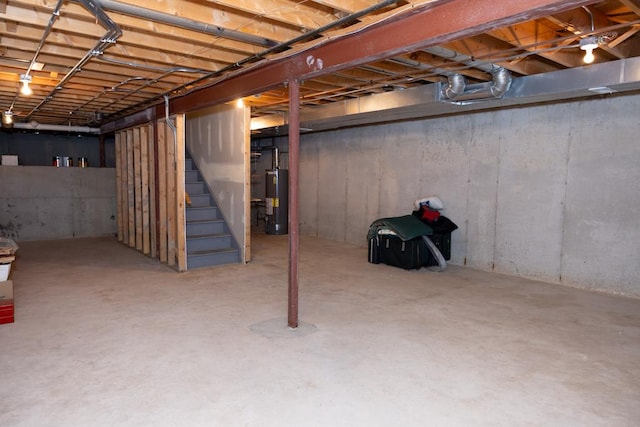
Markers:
<point>209,242</point>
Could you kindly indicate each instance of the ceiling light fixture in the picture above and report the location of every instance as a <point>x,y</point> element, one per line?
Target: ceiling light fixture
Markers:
<point>588,44</point>
<point>7,118</point>
<point>25,79</point>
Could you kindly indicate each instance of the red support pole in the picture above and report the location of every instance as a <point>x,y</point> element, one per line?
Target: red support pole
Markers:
<point>294,145</point>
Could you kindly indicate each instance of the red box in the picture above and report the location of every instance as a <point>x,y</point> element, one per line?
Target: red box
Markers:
<point>6,311</point>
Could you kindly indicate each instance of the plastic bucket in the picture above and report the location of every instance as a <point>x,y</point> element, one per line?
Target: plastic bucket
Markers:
<point>4,271</point>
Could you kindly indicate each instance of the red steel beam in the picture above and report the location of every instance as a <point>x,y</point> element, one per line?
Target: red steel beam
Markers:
<point>430,25</point>
<point>294,145</point>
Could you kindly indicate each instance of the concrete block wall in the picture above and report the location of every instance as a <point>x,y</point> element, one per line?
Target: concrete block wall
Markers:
<point>548,192</point>
<point>46,203</point>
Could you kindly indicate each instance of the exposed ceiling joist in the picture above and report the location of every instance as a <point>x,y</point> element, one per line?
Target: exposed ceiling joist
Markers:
<point>434,24</point>
<point>179,48</point>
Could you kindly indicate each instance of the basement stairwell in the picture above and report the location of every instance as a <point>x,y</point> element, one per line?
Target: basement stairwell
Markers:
<point>209,241</point>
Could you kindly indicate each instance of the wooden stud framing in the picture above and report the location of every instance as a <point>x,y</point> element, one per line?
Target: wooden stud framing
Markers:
<point>181,235</point>
<point>137,176</point>
<point>162,189</point>
<point>152,192</point>
<point>171,196</point>
<point>124,188</point>
<point>247,185</point>
<point>144,181</point>
<point>118,143</point>
<point>131,215</point>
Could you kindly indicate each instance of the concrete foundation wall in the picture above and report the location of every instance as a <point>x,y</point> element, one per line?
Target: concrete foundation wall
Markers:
<point>548,192</point>
<point>45,203</point>
<point>218,140</point>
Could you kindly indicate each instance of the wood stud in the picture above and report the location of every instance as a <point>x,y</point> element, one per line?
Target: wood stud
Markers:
<point>139,206</point>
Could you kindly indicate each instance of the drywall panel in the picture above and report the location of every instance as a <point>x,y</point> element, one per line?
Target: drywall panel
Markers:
<point>218,140</point>
<point>549,192</point>
<point>601,247</point>
<point>44,203</point>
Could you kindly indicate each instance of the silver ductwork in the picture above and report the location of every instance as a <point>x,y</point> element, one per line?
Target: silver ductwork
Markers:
<point>596,80</point>
<point>457,90</point>
<point>455,87</point>
<point>214,30</point>
<point>501,82</point>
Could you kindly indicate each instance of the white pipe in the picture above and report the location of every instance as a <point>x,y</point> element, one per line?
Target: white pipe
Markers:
<point>57,128</point>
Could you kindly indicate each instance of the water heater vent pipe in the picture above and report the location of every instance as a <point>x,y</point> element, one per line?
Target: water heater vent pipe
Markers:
<point>275,162</point>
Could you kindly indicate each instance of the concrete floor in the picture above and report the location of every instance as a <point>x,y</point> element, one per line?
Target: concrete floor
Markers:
<point>107,337</point>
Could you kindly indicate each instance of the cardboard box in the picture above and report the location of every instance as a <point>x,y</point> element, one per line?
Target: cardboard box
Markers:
<point>6,290</point>
<point>9,160</point>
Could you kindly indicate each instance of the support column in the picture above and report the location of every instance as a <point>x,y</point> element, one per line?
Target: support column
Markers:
<point>294,144</point>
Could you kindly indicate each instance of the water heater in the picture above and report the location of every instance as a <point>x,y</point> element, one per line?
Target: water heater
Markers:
<point>277,201</point>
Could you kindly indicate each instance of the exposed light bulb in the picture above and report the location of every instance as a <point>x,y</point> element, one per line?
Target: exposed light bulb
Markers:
<point>25,79</point>
<point>25,89</point>
<point>7,117</point>
<point>588,44</point>
<point>588,56</point>
<point>239,103</point>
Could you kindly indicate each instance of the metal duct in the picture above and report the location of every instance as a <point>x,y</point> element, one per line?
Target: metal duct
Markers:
<point>188,24</point>
<point>501,82</point>
<point>424,101</point>
<point>456,86</point>
<point>457,91</point>
<point>56,128</point>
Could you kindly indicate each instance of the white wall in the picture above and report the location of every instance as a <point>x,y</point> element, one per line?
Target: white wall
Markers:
<point>219,142</point>
<point>46,203</point>
<point>548,192</point>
